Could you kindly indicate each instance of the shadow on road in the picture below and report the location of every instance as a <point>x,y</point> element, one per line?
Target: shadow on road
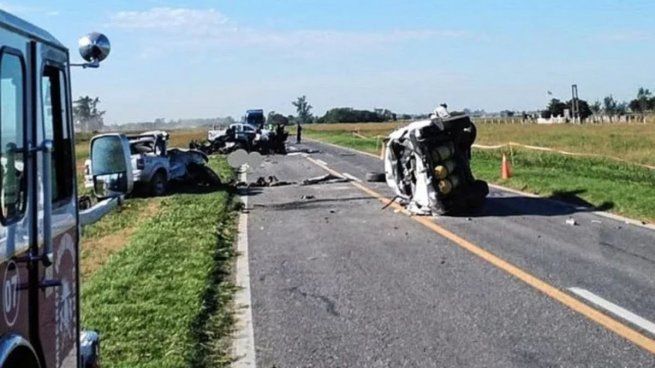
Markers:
<point>560,203</point>
<point>572,197</point>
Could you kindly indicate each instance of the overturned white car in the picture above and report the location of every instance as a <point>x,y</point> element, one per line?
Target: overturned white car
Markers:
<point>427,164</point>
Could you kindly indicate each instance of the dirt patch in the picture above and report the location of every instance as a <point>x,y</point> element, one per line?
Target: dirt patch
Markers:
<point>96,252</point>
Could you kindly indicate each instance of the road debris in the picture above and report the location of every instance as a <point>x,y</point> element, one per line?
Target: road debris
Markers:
<point>325,179</point>
<point>571,222</point>
<point>427,163</point>
<point>296,150</point>
<point>270,181</point>
<point>376,177</point>
<point>273,181</point>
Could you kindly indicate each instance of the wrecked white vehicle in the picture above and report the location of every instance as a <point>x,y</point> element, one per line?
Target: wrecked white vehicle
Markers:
<point>154,166</point>
<point>427,165</point>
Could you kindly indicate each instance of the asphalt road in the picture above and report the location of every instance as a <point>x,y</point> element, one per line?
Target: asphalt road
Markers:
<point>338,282</point>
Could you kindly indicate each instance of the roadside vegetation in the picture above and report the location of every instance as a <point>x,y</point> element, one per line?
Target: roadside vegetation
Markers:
<point>602,183</point>
<point>156,274</point>
<point>103,239</point>
<point>162,300</point>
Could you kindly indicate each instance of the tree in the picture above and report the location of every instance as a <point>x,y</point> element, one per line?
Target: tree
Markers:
<point>276,119</point>
<point>643,102</point>
<point>304,110</point>
<point>644,96</point>
<point>610,106</point>
<point>621,108</point>
<point>595,107</point>
<point>350,115</point>
<point>585,109</point>
<point>270,116</point>
<point>556,107</point>
<point>86,114</point>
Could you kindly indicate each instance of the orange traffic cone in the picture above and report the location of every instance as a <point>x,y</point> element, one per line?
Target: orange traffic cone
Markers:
<point>505,169</point>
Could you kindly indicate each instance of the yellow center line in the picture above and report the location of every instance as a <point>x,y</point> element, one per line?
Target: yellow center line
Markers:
<point>593,314</point>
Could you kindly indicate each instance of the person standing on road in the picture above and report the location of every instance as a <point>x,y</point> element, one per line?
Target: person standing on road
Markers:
<point>298,132</point>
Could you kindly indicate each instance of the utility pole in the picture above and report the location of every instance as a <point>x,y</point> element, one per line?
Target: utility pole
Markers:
<point>575,104</point>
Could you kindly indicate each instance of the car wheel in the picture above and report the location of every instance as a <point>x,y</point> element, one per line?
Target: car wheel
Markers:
<point>158,184</point>
<point>210,177</point>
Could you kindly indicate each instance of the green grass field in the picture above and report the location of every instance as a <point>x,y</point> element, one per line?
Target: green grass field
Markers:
<point>603,183</point>
<point>632,142</point>
<point>155,275</point>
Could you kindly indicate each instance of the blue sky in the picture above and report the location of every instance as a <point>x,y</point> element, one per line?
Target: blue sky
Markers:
<point>184,59</point>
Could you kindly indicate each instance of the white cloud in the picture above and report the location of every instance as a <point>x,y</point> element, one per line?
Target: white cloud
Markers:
<point>27,10</point>
<point>208,27</point>
<point>171,19</point>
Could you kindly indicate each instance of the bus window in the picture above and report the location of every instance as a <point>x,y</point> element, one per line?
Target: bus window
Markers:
<point>55,120</point>
<point>12,137</point>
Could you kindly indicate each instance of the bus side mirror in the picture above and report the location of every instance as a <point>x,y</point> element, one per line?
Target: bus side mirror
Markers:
<point>94,48</point>
<point>111,165</point>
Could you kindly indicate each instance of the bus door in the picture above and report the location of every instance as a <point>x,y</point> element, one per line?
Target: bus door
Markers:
<point>57,212</point>
<point>17,281</point>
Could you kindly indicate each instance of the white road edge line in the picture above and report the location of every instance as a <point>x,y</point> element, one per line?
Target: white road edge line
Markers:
<point>351,177</point>
<point>617,310</point>
<point>321,162</point>
<point>243,344</point>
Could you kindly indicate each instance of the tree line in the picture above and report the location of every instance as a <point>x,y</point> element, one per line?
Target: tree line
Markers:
<point>609,106</point>
<point>89,118</point>
<point>334,115</point>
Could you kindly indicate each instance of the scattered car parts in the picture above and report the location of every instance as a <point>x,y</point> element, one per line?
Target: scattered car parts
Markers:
<point>375,177</point>
<point>325,179</point>
<point>273,181</point>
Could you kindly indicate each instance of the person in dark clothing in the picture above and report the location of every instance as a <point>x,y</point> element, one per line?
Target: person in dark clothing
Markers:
<point>298,133</point>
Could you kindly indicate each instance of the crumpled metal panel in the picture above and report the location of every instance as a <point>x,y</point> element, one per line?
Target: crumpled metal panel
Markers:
<point>427,164</point>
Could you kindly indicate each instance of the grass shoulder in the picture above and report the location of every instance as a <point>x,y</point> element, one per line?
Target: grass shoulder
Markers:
<point>164,299</point>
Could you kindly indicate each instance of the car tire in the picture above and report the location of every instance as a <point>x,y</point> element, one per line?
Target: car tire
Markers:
<point>210,177</point>
<point>376,177</point>
<point>158,184</point>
